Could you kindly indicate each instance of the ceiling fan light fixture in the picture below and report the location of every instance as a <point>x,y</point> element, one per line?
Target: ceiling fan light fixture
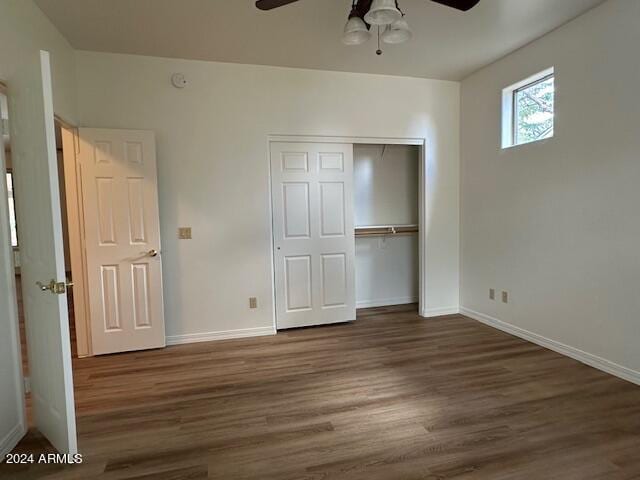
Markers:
<point>383,12</point>
<point>355,32</point>
<point>397,32</point>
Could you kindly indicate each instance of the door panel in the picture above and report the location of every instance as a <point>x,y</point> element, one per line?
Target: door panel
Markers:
<point>313,233</point>
<point>334,280</point>
<point>298,282</point>
<point>122,229</point>
<point>42,255</point>
<point>296,210</point>
<point>332,205</point>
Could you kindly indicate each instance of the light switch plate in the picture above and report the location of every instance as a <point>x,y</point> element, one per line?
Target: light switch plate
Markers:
<point>253,302</point>
<point>184,233</point>
<point>505,297</point>
<point>492,294</point>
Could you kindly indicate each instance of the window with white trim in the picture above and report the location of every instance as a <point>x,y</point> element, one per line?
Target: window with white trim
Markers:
<point>528,110</point>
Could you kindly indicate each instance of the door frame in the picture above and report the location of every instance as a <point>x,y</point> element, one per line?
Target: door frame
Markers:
<point>421,143</point>
<point>6,252</point>
<point>75,235</point>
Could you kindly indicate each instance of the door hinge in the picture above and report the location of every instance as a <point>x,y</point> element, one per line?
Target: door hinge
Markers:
<point>27,383</point>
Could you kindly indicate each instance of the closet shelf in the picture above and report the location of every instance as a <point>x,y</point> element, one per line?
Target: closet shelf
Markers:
<point>385,230</point>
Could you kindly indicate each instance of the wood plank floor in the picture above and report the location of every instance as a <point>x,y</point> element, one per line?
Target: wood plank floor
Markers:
<point>391,396</point>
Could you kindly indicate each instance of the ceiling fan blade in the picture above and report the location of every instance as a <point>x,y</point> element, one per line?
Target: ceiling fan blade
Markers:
<point>271,4</point>
<point>463,5</point>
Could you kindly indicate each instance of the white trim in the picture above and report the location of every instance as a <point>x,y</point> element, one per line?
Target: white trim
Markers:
<point>272,245</point>
<point>346,139</point>
<point>422,198</point>
<point>594,361</point>
<point>386,302</point>
<point>10,440</point>
<point>9,312</point>
<point>439,312</point>
<point>222,335</point>
<point>423,222</point>
<point>75,233</point>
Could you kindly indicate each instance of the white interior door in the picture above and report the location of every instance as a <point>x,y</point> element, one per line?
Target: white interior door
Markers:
<point>122,235</point>
<point>312,193</point>
<point>42,255</point>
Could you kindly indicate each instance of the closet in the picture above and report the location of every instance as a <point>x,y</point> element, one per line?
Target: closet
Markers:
<point>386,212</point>
<point>345,229</point>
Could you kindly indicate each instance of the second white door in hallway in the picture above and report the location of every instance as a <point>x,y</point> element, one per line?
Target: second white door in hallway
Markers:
<point>122,231</point>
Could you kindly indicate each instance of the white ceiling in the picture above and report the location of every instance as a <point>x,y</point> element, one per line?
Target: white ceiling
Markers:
<point>447,44</point>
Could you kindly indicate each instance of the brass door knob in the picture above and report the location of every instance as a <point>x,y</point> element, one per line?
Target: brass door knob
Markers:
<point>56,288</point>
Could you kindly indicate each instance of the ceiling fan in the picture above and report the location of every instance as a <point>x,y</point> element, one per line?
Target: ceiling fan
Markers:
<point>463,5</point>
<point>384,14</point>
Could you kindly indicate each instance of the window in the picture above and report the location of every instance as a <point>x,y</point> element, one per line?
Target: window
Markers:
<point>528,110</point>
<point>12,211</point>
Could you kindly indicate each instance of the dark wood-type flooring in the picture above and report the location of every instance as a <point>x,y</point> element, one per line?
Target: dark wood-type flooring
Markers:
<point>390,396</point>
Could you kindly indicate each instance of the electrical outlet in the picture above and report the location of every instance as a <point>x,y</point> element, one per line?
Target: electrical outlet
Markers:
<point>492,294</point>
<point>184,233</point>
<point>253,302</point>
<point>505,297</point>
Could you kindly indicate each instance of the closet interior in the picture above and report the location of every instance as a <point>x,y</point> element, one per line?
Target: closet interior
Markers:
<point>386,216</point>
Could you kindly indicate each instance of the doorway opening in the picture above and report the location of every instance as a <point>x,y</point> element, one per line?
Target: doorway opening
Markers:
<point>52,207</point>
<point>68,195</point>
<point>386,212</point>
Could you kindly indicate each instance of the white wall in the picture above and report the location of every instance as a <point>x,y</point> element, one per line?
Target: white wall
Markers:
<point>556,223</point>
<point>387,270</point>
<point>24,31</point>
<point>214,170</point>
<point>386,188</point>
<point>386,192</point>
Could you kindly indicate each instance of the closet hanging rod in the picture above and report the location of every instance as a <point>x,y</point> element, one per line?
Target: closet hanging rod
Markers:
<point>384,230</point>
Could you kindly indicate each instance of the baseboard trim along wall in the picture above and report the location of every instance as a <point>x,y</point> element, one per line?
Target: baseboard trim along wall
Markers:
<point>10,440</point>
<point>223,335</point>
<point>579,355</point>
<point>385,302</point>
<point>439,312</point>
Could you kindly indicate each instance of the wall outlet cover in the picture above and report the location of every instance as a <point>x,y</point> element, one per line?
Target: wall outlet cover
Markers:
<point>505,297</point>
<point>253,302</point>
<point>492,293</point>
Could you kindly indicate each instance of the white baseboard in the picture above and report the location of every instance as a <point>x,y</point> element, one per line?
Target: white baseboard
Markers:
<point>11,439</point>
<point>223,335</point>
<point>385,302</point>
<point>579,355</point>
<point>438,312</point>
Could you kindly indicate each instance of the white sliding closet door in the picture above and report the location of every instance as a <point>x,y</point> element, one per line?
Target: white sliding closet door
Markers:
<point>312,190</point>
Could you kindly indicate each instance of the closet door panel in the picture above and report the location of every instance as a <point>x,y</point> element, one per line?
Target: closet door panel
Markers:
<point>314,243</point>
<point>334,280</point>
